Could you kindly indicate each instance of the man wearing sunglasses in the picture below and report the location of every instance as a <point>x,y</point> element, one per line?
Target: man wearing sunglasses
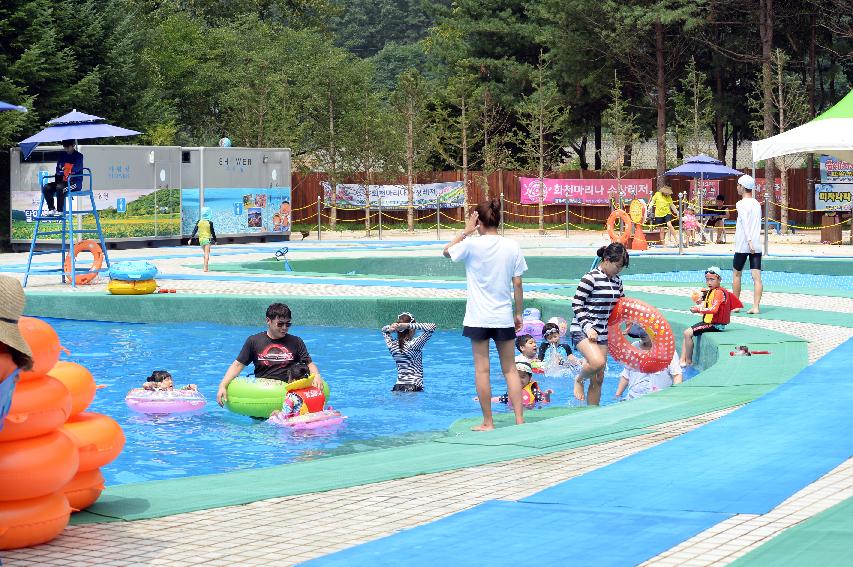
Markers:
<point>272,352</point>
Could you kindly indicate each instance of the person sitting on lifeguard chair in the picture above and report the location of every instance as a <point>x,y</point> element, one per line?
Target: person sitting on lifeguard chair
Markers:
<point>68,167</point>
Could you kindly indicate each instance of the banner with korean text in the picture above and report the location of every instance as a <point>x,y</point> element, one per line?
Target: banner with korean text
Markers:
<point>426,195</point>
<point>835,190</point>
<point>582,191</point>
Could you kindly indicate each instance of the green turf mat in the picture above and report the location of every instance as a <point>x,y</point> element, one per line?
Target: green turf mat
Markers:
<point>667,405</point>
<point>168,497</point>
<point>784,361</point>
<point>502,420</point>
<point>825,540</point>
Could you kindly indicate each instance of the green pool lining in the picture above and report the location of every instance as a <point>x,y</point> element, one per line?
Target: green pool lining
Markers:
<point>548,267</point>
<point>727,383</point>
<point>825,539</point>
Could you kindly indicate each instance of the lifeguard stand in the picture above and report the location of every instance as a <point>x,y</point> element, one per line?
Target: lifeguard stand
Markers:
<point>67,231</point>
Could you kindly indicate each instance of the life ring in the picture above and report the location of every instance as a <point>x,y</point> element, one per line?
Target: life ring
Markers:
<point>35,467</point>
<point>261,396</point>
<point>79,382</point>
<point>84,489</point>
<point>628,311</point>
<point>44,344</point>
<point>140,287</point>
<point>98,260</point>
<point>24,523</point>
<point>99,439</point>
<point>619,214</point>
<point>38,407</point>
<point>133,271</point>
<point>162,402</point>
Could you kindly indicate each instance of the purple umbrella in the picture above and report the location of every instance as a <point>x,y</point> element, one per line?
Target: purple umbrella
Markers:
<point>74,126</point>
<point>703,166</point>
<point>7,106</point>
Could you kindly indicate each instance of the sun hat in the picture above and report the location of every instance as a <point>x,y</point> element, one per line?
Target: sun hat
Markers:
<point>666,190</point>
<point>523,366</point>
<point>11,308</point>
<point>714,270</point>
<point>637,331</point>
<point>206,213</point>
<point>747,182</point>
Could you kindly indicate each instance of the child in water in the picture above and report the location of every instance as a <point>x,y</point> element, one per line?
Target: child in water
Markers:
<point>206,234</point>
<point>292,401</point>
<point>528,386</point>
<point>554,353</point>
<point>526,345</point>
<point>162,380</point>
<point>407,351</point>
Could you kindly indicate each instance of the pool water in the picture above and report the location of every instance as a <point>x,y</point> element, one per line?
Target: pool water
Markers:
<point>768,278</point>
<point>354,361</point>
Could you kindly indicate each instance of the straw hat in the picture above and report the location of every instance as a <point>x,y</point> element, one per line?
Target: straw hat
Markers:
<point>666,190</point>
<point>11,308</point>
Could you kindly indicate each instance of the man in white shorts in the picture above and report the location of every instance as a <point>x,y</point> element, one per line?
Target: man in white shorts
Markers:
<point>748,244</point>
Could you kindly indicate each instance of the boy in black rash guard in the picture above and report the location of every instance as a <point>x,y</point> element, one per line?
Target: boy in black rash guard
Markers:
<point>272,352</point>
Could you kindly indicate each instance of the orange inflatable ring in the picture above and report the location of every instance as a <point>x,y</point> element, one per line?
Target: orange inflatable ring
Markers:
<point>98,260</point>
<point>38,406</point>
<point>628,311</point>
<point>619,214</point>
<point>84,489</point>
<point>37,466</point>
<point>98,437</point>
<point>24,523</point>
<point>44,344</point>
<point>79,382</point>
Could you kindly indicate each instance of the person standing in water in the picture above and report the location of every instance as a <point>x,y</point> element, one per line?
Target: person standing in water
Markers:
<point>407,351</point>
<point>493,268</point>
<point>206,234</point>
<point>748,244</point>
<point>596,296</point>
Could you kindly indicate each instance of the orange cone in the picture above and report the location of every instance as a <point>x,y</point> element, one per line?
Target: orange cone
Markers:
<point>639,240</point>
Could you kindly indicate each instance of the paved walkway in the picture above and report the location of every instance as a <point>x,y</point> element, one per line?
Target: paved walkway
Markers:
<point>254,534</point>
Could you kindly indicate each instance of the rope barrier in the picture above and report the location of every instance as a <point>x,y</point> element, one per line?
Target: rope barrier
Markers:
<point>561,213</point>
<point>293,210</point>
<point>790,208</point>
<point>809,227</point>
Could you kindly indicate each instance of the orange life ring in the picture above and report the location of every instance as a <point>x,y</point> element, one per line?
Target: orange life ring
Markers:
<point>38,406</point>
<point>628,311</point>
<point>84,489</point>
<point>79,382</point>
<point>24,523</point>
<point>98,437</point>
<point>98,260</point>
<point>34,467</point>
<point>611,224</point>
<point>44,344</point>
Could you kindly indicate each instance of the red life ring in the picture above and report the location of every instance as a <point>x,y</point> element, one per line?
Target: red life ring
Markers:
<point>97,261</point>
<point>611,224</point>
<point>628,311</point>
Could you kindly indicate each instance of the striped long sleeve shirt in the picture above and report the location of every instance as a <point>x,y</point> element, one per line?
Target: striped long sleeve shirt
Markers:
<point>409,359</point>
<point>594,299</point>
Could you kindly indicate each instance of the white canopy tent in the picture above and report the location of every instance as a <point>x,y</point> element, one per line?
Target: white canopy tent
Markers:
<point>831,133</point>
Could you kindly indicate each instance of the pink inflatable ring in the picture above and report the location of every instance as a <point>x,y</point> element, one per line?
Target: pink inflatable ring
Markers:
<point>164,401</point>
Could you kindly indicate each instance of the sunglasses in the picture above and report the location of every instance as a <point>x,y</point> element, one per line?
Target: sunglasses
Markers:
<point>281,324</point>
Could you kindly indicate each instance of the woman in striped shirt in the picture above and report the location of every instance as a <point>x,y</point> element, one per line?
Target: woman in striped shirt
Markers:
<point>597,294</point>
<point>407,351</point>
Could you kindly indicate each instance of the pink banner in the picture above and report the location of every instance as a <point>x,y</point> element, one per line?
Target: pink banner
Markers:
<point>712,189</point>
<point>582,191</point>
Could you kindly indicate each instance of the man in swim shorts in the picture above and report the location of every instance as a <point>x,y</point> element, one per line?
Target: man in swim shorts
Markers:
<point>748,243</point>
<point>272,352</point>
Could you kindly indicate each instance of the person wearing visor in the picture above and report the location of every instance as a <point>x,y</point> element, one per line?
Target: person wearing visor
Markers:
<point>272,352</point>
<point>715,304</point>
<point>68,167</point>
<point>407,351</point>
<point>635,383</point>
<point>15,353</point>
<point>529,386</point>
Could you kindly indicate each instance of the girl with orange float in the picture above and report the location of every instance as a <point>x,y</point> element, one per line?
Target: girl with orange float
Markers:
<point>596,296</point>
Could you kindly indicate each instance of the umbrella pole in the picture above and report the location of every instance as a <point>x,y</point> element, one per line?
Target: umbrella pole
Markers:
<point>680,224</point>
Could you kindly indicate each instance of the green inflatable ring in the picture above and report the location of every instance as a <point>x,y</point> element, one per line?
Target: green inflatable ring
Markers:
<point>259,397</point>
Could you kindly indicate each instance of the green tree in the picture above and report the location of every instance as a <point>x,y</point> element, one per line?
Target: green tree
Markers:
<point>409,101</point>
<point>694,111</point>
<point>621,123</point>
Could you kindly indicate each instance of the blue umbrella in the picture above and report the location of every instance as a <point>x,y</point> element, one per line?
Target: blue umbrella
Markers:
<point>7,106</point>
<point>74,126</point>
<point>703,166</point>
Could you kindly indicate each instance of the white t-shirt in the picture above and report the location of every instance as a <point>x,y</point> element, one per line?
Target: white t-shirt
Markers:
<point>491,261</point>
<point>642,383</point>
<point>748,226</point>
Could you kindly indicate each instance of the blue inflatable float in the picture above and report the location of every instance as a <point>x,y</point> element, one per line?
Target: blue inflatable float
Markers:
<point>133,271</point>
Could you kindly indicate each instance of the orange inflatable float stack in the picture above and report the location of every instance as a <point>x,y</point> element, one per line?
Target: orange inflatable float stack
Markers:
<point>51,450</point>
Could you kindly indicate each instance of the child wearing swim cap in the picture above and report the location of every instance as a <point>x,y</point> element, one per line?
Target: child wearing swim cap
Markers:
<point>525,371</point>
<point>552,348</point>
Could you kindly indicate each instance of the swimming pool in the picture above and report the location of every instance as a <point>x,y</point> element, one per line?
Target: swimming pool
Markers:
<point>768,278</point>
<point>354,361</point>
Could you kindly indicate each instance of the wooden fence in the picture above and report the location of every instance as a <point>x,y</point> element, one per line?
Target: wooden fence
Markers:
<point>307,188</point>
